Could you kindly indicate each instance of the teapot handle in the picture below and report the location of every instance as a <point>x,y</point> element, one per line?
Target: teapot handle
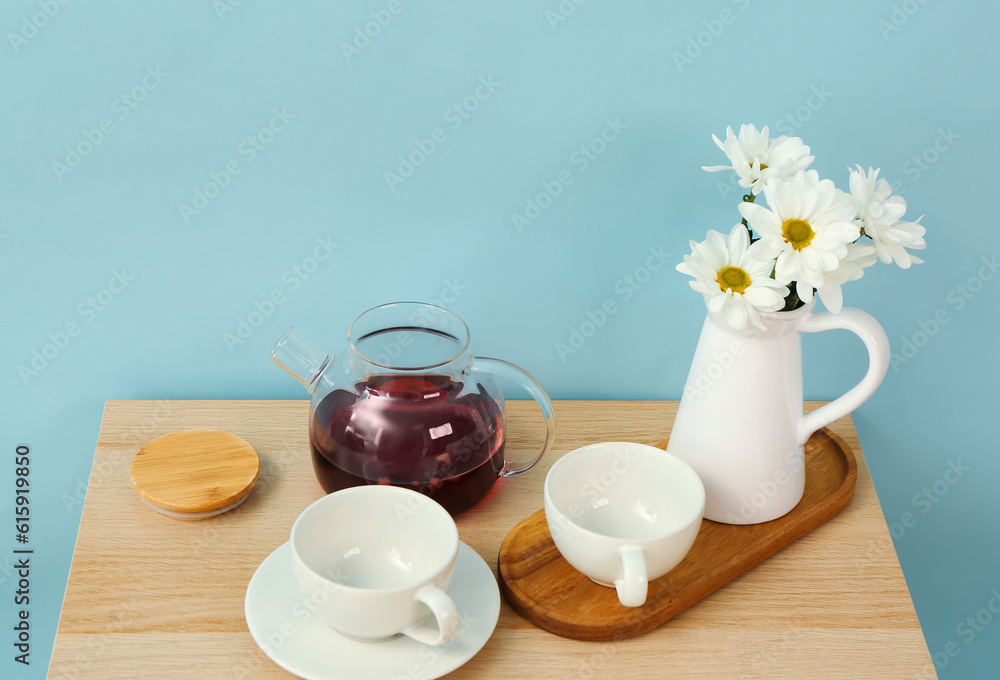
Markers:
<point>516,374</point>
<point>868,329</point>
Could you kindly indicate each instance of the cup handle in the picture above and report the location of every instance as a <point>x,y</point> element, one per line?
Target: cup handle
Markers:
<point>516,374</point>
<point>445,615</point>
<point>871,333</point>
<point>633,584</point>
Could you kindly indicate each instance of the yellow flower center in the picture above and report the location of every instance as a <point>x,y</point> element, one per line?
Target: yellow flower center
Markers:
<point>798,233</point>
<point>763,166</point>
<point>734,279</point>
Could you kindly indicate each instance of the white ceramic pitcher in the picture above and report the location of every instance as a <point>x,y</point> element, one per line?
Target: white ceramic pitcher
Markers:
<point>740,423</point>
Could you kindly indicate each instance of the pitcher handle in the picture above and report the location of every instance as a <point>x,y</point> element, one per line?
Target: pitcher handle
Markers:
<point>516,374</point>
<point>871,333</point>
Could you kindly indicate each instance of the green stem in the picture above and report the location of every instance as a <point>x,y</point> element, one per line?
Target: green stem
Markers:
<point>748,198</point>
<point>792,301</point>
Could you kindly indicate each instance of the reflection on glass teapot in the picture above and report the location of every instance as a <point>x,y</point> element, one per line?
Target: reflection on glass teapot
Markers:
<point>409,405</point>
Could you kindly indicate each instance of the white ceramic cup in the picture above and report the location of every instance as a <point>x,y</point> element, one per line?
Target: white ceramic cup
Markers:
<point>375,561</point>
<point>623,514</point>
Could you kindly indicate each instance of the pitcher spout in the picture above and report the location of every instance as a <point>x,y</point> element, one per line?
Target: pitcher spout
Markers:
<point>301,358</point>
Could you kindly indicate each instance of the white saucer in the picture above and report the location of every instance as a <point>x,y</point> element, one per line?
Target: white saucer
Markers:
<point>298,641</point>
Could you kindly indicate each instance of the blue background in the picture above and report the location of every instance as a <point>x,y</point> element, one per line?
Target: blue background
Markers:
<point>893,80</point>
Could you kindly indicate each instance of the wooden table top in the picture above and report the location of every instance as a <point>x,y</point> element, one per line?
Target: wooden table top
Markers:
<point>154,597</point>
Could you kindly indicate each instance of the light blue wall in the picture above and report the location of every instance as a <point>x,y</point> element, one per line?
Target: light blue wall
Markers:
<point>892,77</point>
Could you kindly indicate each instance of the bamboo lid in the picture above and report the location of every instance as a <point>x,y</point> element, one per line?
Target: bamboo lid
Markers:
<point>193,474</point>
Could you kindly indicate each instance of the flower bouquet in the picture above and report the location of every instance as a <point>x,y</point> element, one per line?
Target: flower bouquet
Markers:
<point>740,423</point>
<point>809,240</point>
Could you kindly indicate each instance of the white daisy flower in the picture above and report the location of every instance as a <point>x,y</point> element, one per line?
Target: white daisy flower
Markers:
<point>807,229</point>
<point>879,212</point>
<point>859,256</point>
<point>732,278</point>
<point>756,159</point>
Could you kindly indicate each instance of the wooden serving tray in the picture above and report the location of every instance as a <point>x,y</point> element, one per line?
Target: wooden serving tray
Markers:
<point>541,586</point>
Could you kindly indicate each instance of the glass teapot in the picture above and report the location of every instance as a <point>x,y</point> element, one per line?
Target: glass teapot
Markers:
<point>409,405</point>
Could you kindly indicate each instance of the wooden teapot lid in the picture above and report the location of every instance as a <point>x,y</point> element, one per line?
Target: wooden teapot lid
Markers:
<point>193,474</point>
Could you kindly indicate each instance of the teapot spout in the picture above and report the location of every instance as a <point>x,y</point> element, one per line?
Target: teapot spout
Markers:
<point>301,358</point>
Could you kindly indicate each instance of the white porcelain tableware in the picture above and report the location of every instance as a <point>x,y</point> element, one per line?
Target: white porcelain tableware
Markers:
<point>290,633</point>
<point>376,561</point>
<point>623,514</point>
<point>740,423</point>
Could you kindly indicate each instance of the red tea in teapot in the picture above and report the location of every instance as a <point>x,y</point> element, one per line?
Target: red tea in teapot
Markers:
<point>416,431</point>
<point>409,404</point>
